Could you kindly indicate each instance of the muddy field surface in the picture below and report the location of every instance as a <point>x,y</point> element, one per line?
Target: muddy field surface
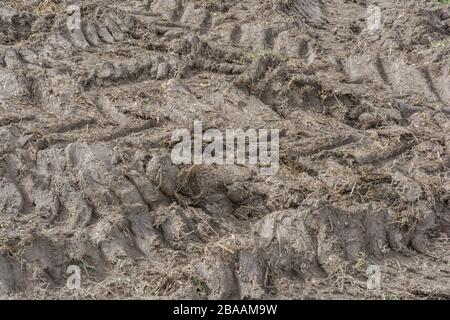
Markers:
<point>86,179</point>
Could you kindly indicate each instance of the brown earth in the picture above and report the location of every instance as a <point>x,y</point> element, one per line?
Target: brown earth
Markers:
<point>85,126</point>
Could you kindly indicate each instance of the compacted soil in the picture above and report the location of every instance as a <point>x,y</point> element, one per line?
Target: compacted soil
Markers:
<point>86,178</point>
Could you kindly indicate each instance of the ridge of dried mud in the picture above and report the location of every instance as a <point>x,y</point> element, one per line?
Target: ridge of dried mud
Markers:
<point>85,126</point>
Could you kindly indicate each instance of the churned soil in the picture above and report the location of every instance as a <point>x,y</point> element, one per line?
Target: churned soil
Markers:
<point>86,178</point>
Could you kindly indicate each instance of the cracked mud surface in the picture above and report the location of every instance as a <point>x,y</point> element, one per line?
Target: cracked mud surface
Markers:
<point>86,177</point>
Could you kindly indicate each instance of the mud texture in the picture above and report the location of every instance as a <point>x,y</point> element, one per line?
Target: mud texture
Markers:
<point>86,177</point>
